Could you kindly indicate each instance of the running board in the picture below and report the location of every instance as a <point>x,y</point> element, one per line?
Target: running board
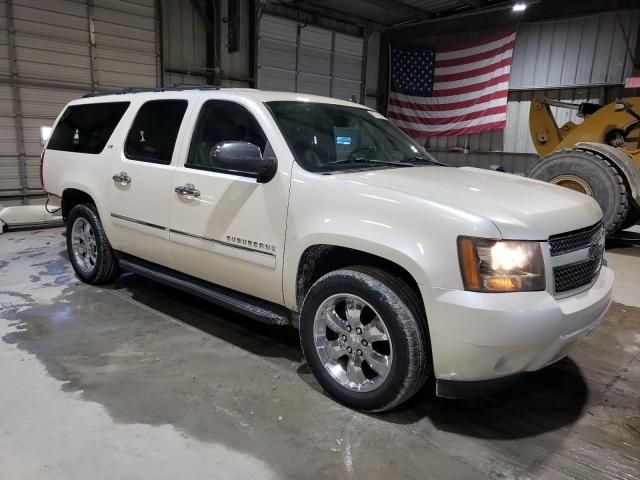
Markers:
<point>255,308</point>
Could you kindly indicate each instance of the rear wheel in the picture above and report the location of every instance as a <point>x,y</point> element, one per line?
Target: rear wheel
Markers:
<point>88,247</point>
<point>591,174</point>
<point>364,337</point>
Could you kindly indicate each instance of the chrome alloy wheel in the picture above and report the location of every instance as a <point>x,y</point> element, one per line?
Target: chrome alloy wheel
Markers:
<point>353,342</point>
<point>83,243</point>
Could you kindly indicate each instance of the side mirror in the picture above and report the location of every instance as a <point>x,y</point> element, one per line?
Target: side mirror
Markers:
<point>243,158</point>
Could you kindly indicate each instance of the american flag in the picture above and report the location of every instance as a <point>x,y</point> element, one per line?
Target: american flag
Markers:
<point>453,90</point>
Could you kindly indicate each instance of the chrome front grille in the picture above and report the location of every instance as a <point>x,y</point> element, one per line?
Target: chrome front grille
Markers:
<point>576,240</point>
<point>576,275</point>
<point>582,251</point>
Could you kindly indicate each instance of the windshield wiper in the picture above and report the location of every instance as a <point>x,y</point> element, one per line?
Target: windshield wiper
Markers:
<point>367,160</point>
<point>419,158</point>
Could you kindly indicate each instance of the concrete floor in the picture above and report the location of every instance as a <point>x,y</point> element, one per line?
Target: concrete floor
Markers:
<point>140,381</point>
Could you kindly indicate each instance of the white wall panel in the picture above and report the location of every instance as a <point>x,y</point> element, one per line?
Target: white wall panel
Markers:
<point>320,61</point>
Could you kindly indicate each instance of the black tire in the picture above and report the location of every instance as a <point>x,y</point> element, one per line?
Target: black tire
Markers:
<point>607,185</point>
<point>633,215</point>
<point>400,309</point>
<point>106,267</point>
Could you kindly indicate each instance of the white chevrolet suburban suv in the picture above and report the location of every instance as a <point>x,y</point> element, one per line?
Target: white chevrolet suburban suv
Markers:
<point>320,213</point>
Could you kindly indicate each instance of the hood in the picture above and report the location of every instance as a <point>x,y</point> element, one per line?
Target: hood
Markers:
<point>520,207</point>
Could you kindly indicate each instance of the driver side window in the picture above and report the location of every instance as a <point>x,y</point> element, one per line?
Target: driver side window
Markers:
<point>222,121</point>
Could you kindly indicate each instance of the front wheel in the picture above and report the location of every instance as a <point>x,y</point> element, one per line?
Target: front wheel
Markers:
<point>364,337</point>
<point>88,247</point>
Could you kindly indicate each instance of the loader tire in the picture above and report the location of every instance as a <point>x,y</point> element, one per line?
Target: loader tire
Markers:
<point>592,174</point>
<point>632,218</point>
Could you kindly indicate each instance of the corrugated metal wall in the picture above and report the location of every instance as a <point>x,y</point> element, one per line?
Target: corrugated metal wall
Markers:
<point>235,68</point>
<point>184,43</point>
<point>185,38</point>
<point>304,58</point>
<point>52,52</point>
<point>575,60</point>
<point>579,51</point>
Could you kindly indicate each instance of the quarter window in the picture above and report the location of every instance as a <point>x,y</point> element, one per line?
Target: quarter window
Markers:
<point>153,134</point>
<point>222,121</point>
<point>86,128</point>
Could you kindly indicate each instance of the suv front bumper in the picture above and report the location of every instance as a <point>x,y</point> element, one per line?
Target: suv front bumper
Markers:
<point>486,336</point>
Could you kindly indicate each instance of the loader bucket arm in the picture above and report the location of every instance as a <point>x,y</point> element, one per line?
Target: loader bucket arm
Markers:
<point>545,134</point>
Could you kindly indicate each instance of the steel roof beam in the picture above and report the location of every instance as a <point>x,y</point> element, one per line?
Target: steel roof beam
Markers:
<point>331,13</point>
<point>399,7</point>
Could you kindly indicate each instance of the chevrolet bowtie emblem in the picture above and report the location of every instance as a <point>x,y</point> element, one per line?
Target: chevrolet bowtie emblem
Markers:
<point>595,250</point>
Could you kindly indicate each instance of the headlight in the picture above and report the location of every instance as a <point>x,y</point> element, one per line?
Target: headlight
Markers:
<point>501,265</point>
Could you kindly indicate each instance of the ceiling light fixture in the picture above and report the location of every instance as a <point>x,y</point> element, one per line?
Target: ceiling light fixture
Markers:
<point>519,7</point>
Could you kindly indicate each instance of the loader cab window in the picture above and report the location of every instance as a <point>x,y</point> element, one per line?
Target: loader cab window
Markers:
<point>153,134</point>
<point>86,128</point>
<point>222,121</point>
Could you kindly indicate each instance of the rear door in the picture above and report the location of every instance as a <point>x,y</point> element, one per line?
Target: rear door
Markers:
<point>142,173</point>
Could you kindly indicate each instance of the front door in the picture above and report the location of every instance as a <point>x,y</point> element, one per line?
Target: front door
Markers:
<point>142,176</point>
<point>227,228</point>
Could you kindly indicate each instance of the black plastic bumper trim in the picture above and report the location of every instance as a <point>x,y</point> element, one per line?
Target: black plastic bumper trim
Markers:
<point>473,389</point>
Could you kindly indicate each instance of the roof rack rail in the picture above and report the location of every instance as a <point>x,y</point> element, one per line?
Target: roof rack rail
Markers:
<point>169,88</point>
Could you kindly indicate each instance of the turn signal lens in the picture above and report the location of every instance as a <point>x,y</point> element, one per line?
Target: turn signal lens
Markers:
<point>500,284</point>
<point>469,262</point>
<point>500,265</point>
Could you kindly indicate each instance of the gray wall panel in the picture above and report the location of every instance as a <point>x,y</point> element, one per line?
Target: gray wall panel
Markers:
<point>277,54</point>
<point>328,63</point>
<point>345,89</point>
<point>577,51</point>
<point>315,61</point>
<point>184,42</point>
<point>53,62</point>
<point>235,68</point>
<point>271,79</point>
<point>314,84</point>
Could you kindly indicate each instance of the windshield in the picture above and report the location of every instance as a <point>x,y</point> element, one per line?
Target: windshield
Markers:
<point>328,138</point>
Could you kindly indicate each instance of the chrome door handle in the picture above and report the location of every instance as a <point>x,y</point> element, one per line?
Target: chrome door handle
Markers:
<point>189,191</point>
<point>122,178</point>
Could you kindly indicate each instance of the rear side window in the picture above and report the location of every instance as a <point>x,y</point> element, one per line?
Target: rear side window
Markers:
<point>154,131</point>
<point>86,128</point>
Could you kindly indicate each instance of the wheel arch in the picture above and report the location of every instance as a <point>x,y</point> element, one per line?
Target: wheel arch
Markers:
<point>320,259</point>
<point>72,197</point>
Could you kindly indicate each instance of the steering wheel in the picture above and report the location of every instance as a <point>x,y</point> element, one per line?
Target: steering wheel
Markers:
<point>360,152</point>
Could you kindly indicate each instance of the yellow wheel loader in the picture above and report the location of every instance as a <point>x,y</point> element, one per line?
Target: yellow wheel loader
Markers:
<point>599,156</point>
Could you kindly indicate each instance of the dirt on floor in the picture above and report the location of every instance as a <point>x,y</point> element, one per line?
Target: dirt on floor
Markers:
<point>138,380</point>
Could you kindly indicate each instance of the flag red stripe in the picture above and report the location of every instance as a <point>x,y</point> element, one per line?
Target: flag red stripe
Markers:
<point>448,106</point>
<point>473,43</point>
<point>452,62</point>
<point>473,73</point>
<point>470,88</point>
<point>448,120</point>
<point>456,131</point>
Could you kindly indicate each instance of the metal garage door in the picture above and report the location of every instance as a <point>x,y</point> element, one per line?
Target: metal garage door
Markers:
<point>55,51</point>
<point>303,58</point>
